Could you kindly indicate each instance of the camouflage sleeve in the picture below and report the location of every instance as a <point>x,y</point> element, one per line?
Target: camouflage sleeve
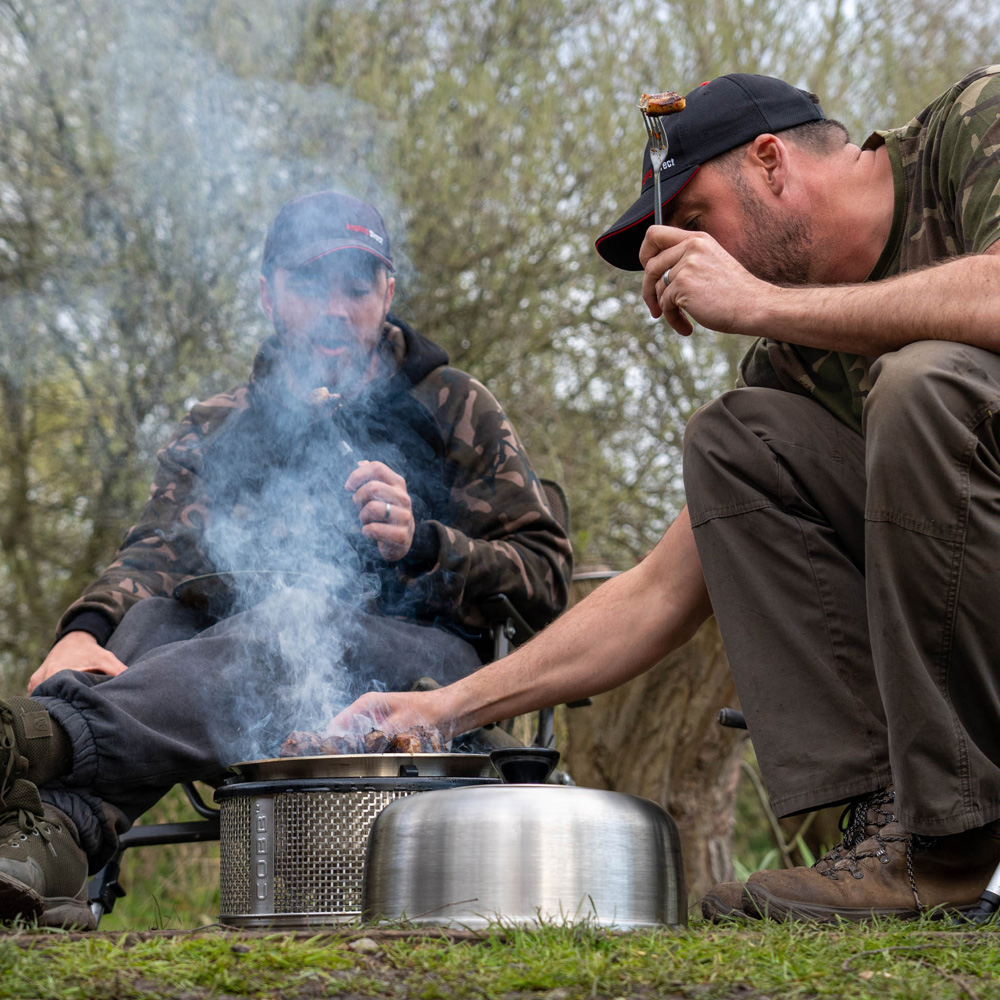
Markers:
<point>967,168</point>
<point>164,546</point>
<point>502,537</point>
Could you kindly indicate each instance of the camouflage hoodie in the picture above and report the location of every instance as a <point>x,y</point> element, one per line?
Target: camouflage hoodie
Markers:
<point>946,174</point>
<point>253,480</point>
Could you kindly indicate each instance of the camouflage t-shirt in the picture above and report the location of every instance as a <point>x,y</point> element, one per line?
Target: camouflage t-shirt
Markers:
<point>946,173</point>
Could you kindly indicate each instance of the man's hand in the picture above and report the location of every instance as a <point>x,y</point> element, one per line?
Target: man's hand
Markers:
<point>76,651</point>
<point>384,508</point>
<point>394,712</point>
<point>705,282</point>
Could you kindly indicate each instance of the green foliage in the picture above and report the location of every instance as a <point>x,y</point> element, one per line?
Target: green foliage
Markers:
<point>892,960</point>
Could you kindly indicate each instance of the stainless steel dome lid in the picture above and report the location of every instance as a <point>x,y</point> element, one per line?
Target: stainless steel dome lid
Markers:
<point>525,854</point>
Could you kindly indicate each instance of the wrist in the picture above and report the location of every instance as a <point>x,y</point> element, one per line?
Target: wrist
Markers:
<point>78,637</point>
<point>93,623</point>
<point>769,314</point>
<point>455,711</point>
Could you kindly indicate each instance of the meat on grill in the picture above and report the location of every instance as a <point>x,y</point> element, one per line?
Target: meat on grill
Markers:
<point>375,741</point>
<point>419,739</point>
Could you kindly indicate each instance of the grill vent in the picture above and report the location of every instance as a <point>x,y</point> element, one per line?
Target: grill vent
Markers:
<point>317,850</point>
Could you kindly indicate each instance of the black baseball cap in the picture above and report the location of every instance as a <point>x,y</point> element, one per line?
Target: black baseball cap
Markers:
<point>314,225</point>
<point>718,116</point>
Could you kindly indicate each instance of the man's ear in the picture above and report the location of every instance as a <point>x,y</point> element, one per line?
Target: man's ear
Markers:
<point>769,155</point>
<point>390,290</point>
<point>266,298</point>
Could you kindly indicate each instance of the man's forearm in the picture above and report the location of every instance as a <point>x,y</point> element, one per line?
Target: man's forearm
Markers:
<point>620,630</point>
<point>958,300</point>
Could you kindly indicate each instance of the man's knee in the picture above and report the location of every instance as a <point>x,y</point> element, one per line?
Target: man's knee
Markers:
<point>744,426</point>
<point>151,623</point>
<point>710,430</point>
<point>916,388</point>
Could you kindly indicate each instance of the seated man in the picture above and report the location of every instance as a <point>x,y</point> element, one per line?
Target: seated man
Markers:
<point>329,527</point>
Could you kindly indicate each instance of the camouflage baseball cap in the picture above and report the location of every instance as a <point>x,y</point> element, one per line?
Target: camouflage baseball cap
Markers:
<point>718,116</point>
<point>314,225</point>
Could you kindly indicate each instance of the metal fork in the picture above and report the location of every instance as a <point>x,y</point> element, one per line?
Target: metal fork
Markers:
<point>657,154</point>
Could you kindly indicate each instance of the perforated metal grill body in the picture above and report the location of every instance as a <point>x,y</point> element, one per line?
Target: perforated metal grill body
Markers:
<point>292,853</point>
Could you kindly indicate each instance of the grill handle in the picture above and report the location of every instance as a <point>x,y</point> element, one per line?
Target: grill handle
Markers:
<point>524,765</point>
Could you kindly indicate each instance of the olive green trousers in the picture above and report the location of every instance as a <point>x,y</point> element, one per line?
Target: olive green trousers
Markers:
<point>856,583</point>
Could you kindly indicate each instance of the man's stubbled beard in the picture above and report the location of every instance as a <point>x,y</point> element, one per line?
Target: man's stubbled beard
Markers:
<point>774,248</point>
<point>306,369</point>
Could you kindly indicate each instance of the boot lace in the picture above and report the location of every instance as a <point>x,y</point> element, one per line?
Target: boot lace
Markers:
<point>8,749</point>
<point>863,825</point>
<point>27,822</point>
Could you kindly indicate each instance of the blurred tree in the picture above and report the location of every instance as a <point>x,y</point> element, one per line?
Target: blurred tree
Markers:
<point>137,176</point>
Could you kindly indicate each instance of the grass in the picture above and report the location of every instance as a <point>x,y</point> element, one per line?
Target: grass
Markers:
<point>889,960</point>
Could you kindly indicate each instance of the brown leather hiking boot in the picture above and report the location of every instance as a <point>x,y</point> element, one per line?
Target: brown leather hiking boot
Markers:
<point>881,870</point>
<point>727,901</point>
<point>43,871</point>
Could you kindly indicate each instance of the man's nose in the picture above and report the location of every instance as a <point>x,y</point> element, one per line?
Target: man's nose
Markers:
<point>336,304</point>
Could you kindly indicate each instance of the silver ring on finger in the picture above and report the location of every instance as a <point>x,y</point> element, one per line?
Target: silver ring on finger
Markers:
<point>388,510</point>
<point>666,277</point>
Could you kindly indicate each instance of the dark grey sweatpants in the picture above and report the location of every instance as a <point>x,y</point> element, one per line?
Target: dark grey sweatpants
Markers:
<point>856,582</point>
<point>196,699</point>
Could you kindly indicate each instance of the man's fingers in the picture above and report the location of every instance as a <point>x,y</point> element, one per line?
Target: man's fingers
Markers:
<point>391,711</point>
<point>375,495</point>
<point>655,267</point>
<point>368,711</point>
<point>394,540</point>
<point>373,471</point>
<point>658,239</point>
<point>102,662</point>
<point>680,323</point>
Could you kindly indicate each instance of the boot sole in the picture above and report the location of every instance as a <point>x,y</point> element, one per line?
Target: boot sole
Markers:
<point>770,906</point>
<point>714,909</point>
<point>68,913</point>
<point>18,900</point>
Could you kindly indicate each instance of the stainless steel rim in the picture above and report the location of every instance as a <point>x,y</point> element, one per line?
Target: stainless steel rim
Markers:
<point>368,765</point>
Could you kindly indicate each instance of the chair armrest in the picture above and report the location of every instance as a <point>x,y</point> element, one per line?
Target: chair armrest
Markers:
<point>500,613</point>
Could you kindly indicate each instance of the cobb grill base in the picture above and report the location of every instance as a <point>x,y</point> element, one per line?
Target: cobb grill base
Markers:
<point>292,850</point>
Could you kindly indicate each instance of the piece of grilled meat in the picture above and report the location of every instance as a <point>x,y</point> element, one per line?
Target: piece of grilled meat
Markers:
<point>419,739</point>
<point>376,741</point>
<point>306,744</point>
